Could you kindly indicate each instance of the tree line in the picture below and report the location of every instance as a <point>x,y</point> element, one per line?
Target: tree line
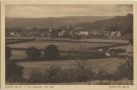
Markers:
<point>50,52</point>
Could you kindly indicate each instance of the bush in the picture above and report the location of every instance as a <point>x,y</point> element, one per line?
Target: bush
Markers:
<point>8,52</point>
<point>125,70</point>
<point>51,52</point>
<point>53,74</point>
<point>33,52</point>
<point>56,74</point>
<point>81,72</point>
<point>13,72</point>
<point>36,76</point>
<point>104,75</point>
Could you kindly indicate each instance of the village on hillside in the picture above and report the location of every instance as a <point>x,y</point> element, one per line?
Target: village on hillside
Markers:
<point>114,28</point>
<point>51,33</point>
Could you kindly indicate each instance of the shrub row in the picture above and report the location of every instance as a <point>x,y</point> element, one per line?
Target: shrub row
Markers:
<point>50,52</point>
<point>81,73</point>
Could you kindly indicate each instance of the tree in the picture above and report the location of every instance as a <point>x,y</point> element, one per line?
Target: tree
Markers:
<point>8,52</point>
<point>33,52</point>
<point>13,72</point>
<point>52,52</point>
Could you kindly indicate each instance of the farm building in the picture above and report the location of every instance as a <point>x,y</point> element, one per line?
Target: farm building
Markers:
<point>129,50</point>
<point>61,33</point>
<point>12,34</point>
<point>15,34</point>
<point>83,33</point>
<point>93,32</point>
<point>115,34</point>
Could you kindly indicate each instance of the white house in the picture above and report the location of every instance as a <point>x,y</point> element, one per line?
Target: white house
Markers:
<point>61,33</point>
<point>83,33</point>
<point>112,34</point>
<point>115,34</point>
<point>12,34</point>
<point>118,35</point>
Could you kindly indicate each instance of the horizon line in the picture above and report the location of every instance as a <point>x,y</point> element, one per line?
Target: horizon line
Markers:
<point>72,16</point>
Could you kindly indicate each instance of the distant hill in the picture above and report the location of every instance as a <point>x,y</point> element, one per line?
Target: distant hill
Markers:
<point>118,23</point>
<point>53,22</point>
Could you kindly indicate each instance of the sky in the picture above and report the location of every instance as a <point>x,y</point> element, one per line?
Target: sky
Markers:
<point>43,11</point>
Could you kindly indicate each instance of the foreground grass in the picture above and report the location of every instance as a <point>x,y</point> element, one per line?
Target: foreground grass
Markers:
<point>80,74</point>
<point>108,64</point>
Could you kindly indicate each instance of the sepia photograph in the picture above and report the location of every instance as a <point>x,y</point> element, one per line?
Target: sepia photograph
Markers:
<point>69,44</point>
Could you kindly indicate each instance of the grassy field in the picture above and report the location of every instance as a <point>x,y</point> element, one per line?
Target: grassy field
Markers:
<point>62,45</point>
<point>108,64</point>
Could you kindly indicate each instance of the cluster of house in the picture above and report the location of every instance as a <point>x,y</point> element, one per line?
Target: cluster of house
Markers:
<point>114,34</point>
<point>65,33</point>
